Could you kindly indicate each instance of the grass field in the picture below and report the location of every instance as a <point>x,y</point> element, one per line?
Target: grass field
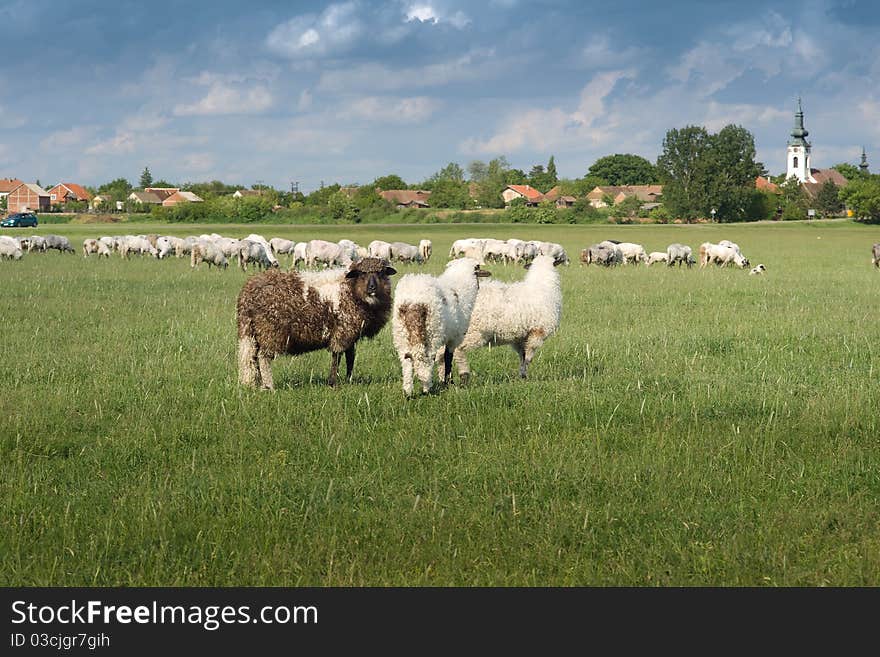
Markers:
<point>683,428</point>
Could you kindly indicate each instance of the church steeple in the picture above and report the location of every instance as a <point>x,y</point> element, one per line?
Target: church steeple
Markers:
<point>799,133</point>
<point>798,158</point>
<point>863,165</point>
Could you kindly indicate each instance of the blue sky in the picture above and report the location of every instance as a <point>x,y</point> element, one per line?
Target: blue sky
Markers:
<point>347,91</point>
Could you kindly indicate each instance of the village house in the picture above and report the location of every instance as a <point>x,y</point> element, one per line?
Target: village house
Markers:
<point>144,198</point>
<point>556,196</point>
<point>64,193</point>
<point>7,185</point>
<point>181,197</point>
<point>648,194</point>
<point>28,196</point>
<point>531,195</point>
<point>407,198</point>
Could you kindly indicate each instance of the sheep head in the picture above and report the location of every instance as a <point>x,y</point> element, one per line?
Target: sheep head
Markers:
<point>370,282</point>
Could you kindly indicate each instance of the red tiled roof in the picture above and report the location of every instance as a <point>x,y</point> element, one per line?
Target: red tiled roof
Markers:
<point>162,192</point>
<point>8,184</point>
<point>553,194</point>
<point>823,175</point>
<point>528,191</point>
<point>79,191</point>
<point>762,183</point>
<point>642,192</point>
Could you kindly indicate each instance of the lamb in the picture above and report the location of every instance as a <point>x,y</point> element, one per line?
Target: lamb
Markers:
<point>9,248</point>
<point>875,255</point>
<point>657,256</point>
<point>425,248</point>
<point>522,315</point>
<point>295,313</point>
<point>679,253</point>
<point>430,318</point>
<point>205,251</point>
<point>757,269</point>
<point>59,243</point>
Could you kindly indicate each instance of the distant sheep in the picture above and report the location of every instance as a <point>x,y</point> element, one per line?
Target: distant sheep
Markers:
<point>204,251</point>
<point>94,246</point>
<point>522,315</point>
<point>59,243</point>
<point>677,254</point>
<point>403,252</point>
<point>294,313</point>
<point>256,253</point>
<point>379,249</point>
<point>605,253</point>
<point>430,318</point>
<point>327,253</point>
<point>9,248</point>
<point>757,269</point>
<point>656,256</point>
<point>721,255</point>
<point>875,255</point>
<point>634,253</point>
<point>425,248</point>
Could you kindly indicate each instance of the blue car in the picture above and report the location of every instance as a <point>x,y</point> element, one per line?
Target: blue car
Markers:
<point>19,220</point>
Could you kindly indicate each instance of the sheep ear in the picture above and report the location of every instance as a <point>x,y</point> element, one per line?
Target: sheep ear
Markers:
<point>390,271</point>
<point>352,273</point>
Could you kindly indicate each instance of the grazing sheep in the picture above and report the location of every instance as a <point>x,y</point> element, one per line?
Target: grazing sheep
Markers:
<point>136,244</point>
<point>255,252</point>
<point>553,250</point>
<point>59,243</point>
<point>757,269</point>
<point>679,253</point>
<point>631,252</point>
<point>167,245</point>
<point>604,253</point>
<point>459,246</point>
<point>430,318</point>
<point>403,252</point>
<point>425,248</point>
<point>204,251</point>
<point>300,253</point>
<point>721,255</point>
<point>259,239</point>
<point>328,253</point>
<point>95,246</point>
<point>9,248</point>
<point>875,255</point>
<point>281,245</point>
<point>294,313</point>
<point>379,249</point>
<point>36,243</point>
<point>521,315</point>
<point>352,250</point>
<point>656,256</point>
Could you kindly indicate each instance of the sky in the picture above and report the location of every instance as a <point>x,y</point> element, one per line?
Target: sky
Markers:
<point>310,92</point>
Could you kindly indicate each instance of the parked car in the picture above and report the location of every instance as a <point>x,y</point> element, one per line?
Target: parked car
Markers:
<point>19,220</point>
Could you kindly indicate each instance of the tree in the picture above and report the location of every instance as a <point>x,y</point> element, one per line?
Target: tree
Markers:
<point>552,178</point>
<point>391,181</point>
<point>624,169</point>
<point>794,200</point>
<point>451,172</point>
<point>702,172</point>
<point>146,178</point>
<point>863,198</point>
<point>683,167</point>
<point>341,207</point>
<point>322,195</point>
<point>449,194</point>
<point>828,200</point>
<point>478,171</point>
<point>119,189</point>
<point>851,171</point>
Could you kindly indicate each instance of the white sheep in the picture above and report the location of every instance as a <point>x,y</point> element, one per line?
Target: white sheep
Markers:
<point>404,252</point>
<point>634,253</point>
<point>522,314</point>
<point>379,249</point>
<point>425,248</point>
<point>430,318</point>
<point>9,248</point>
<point>328,253</point>
<point>207,251</point>
<point>656,256</point>
<point>757,269</point>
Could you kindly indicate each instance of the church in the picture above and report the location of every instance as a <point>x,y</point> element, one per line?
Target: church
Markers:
<point>798,160</point>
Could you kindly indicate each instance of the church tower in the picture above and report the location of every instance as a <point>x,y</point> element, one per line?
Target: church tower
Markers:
<point>863,165</point>
<point>798,161</point>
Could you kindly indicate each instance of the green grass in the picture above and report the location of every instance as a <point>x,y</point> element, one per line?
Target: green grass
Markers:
<point>683,428</point>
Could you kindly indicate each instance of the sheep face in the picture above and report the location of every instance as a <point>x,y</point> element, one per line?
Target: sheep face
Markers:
<point>370,282</point>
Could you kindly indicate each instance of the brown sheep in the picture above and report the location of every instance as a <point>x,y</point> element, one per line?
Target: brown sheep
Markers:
<point>294,313</point>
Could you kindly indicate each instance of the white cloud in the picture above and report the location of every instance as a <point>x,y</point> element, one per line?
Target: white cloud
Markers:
<point>474,65</point>
<point>390,110</point>
<point>67,138</point>
<point>121,143</point>
<point>426,13</point>
<point>198,162</point>
<point>333,31</point>
<point>541,129</point>
<point>223,99</point>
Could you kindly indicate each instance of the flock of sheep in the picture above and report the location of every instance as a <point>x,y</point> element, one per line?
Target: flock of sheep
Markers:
<point>611,252</point>
<point>434,319</point>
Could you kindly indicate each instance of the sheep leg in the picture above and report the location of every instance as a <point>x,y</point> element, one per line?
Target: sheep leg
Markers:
<point>464,368</point>
<point>424,369</point>
<point>406,364</point>
<point>265,365</point>
<point>533,341</point>
<point>349,362</point>
<point>334,368</point>
<point>447,365</point>
<point>519,348</point>
<point>248,374</point>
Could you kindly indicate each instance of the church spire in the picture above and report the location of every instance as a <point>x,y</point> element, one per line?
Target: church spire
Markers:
<point>799,133</point>
<point>863,165</point>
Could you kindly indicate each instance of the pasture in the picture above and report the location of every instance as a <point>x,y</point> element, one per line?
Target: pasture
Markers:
<point>684,427</point>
